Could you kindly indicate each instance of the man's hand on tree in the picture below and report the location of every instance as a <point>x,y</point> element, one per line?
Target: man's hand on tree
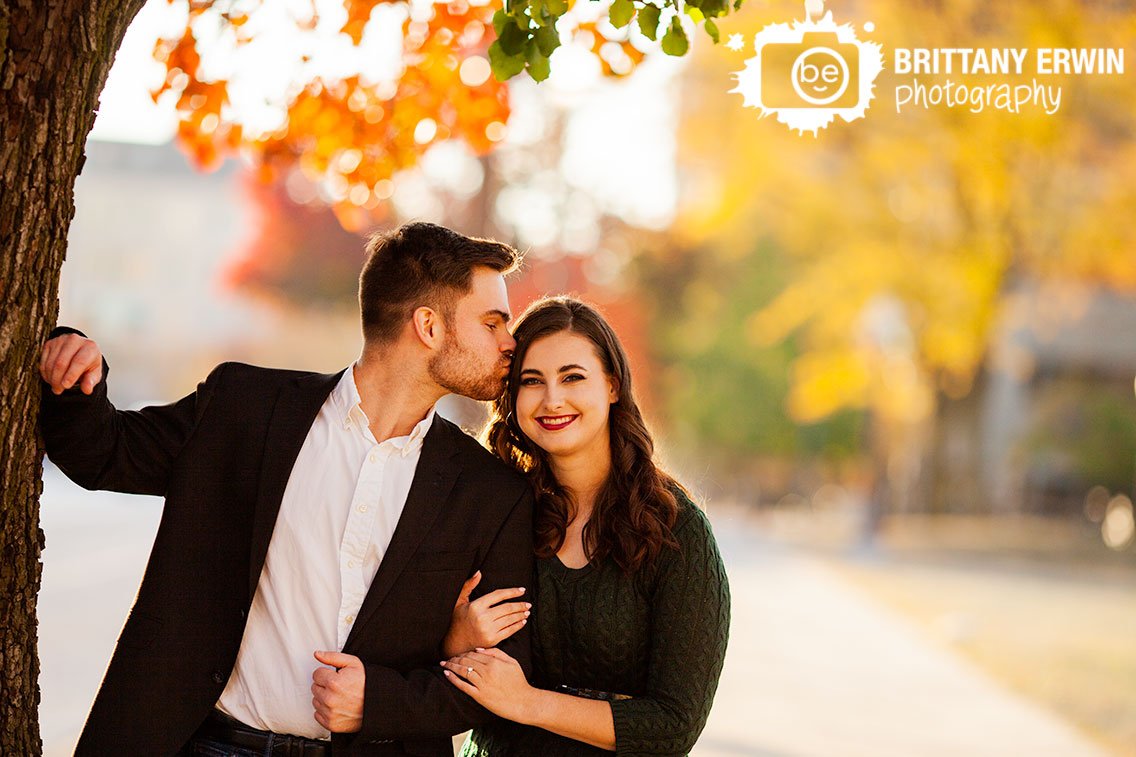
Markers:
<point>337,692</point>
<point>71,359</point>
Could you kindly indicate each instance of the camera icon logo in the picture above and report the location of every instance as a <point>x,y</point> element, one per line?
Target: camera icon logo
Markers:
<point>821,71</point>
<point>810,72</point>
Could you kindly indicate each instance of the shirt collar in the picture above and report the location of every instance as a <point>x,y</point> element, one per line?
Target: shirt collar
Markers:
<point>349,410</point>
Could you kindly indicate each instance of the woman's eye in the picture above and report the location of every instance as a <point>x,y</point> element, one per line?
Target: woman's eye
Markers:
<point>573,377</point>
<point>530,381</point>
<point>491,326</point>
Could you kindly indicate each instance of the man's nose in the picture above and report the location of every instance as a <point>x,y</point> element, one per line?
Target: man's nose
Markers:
<point>508,343</point>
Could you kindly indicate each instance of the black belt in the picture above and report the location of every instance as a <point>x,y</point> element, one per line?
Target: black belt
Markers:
<point>220,727</point>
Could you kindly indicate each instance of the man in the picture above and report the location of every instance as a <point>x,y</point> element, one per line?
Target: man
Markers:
<point>317,528</point>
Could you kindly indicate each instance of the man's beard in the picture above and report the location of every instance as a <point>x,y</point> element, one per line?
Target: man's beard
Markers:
<point>458,370</point>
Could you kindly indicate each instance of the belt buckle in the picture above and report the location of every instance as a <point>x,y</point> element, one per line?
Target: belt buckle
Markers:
<point>311,748</point>
<point>288,746</point>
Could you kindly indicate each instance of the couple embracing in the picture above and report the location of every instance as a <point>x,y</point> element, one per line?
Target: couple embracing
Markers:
<point>341,571</point>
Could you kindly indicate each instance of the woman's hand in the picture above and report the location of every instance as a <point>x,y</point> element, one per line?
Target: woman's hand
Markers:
<point>486,621</point>
<point>495,681</point>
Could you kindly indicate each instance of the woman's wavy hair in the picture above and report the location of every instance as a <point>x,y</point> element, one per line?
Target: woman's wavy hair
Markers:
<point>636,507</point>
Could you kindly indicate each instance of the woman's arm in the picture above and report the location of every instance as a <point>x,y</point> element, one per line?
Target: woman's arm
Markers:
<point>690,620</point>
<point>496,682</point>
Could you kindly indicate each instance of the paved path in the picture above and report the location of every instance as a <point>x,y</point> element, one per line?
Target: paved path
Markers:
<point>814,668</point>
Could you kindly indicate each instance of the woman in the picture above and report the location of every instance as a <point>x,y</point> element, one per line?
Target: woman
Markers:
<point>632,615</point>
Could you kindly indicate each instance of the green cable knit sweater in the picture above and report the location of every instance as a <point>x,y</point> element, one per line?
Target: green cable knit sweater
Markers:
<point>658,635</point>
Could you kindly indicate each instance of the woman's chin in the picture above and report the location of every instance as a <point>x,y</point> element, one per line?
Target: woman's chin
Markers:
<point>556,447</point>
<point>555,443</point>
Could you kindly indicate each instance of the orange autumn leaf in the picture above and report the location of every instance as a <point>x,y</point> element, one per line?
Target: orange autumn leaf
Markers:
<point>351,134</point>
<point>358,14</point>
<point>180,57</point>
<point>612,47</point>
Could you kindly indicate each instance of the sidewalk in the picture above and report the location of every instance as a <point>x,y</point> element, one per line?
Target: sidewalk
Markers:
<point>816,669</point>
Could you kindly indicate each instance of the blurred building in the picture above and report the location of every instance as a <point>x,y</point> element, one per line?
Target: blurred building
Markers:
<point>1054,412</point>
<point>145,250</point>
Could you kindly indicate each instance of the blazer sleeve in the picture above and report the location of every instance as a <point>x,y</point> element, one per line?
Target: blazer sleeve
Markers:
<point>100,447</point>
<point>690,617</point>
<point>421,703</point>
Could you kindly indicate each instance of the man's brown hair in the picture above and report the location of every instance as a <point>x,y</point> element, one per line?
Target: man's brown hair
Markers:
<point>421,264</point>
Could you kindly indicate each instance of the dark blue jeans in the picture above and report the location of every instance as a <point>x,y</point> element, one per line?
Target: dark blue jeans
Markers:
<point>203,747</point>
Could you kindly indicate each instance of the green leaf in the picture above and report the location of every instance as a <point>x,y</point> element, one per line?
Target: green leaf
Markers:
<point>649,21</point>
<point>513,39</point>
<point>504,66</point>
<point>556,7</point>
<point>538,11</point>
<point>538,64</point>
<point>675,41</point>
<point>694,13</point>
<point>620,13</point>
<point>711,29</point>
<point>500,19</point>
<point>547,39</point>
<point>714,8</point>
<point>737,4</point>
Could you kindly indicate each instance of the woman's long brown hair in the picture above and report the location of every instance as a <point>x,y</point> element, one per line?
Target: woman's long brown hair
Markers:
<point>636,507</point>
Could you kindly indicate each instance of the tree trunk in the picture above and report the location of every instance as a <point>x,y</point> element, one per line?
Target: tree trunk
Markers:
<point>54,58</point>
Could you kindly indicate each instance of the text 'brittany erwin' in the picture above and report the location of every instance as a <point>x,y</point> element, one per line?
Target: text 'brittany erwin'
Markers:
<point>1048,61</point>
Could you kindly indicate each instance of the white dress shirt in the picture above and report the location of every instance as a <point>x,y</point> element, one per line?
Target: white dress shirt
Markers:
<point>340,508</point>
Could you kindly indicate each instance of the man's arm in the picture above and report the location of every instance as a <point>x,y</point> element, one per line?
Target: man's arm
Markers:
<point>421,704</point>
<point>97,445</point>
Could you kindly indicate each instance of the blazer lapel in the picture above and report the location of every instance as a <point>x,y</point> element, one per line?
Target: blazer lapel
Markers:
<point>434,478</point>
<point>297,406</point>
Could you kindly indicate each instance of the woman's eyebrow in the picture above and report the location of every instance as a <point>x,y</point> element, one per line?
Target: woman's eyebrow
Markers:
<point>563,369</point>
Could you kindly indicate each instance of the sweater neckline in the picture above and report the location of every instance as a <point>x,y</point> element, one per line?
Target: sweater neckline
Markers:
<point>561,569</point>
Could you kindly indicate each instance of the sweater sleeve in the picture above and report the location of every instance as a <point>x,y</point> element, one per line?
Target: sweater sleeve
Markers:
<point>690,618</point>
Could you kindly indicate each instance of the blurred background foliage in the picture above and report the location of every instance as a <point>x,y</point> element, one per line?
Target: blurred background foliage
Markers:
<point>871,276</point>
<point>927,306</point>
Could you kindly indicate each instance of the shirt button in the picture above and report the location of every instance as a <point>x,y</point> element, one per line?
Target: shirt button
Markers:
<point>217,677</point>
<point>349,619</point>
<point>362,508</point>
<point>371,457</point>
<point>350,563</point>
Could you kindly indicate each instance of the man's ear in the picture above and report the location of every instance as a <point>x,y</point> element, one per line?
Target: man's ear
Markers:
<point>428,327</point>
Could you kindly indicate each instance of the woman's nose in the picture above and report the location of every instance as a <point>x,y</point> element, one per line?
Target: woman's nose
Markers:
<point>553,396</point>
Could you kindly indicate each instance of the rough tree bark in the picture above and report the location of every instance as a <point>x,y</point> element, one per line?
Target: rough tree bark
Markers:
<point>54,58</point>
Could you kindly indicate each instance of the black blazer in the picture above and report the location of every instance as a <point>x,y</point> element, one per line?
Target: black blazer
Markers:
<point>221,457</point>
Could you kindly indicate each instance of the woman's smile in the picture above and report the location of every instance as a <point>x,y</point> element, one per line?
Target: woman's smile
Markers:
<point>555,422</point>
